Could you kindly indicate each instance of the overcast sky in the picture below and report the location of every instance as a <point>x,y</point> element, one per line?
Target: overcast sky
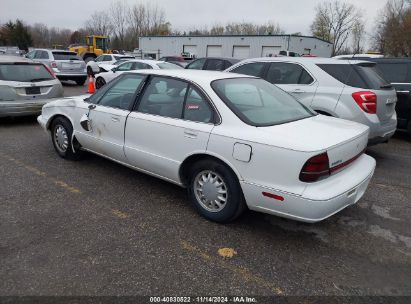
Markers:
<point>292,15</point>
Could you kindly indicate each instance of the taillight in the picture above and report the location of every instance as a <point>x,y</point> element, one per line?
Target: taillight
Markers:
<point>367,101</point>
<point>316,168</point>
<point>50,71</point>
<point>53,64</point>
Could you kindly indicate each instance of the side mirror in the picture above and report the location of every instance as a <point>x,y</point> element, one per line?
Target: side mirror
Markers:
<point>85,123</point>
<point>114,70</point>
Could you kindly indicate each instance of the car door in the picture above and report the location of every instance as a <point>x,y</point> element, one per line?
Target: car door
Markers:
<point>292,78</point>
<point>108,117</point>
<point>173,120</point>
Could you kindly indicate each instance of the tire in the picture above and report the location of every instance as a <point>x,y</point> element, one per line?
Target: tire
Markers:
<point>100,82</point>
<point>81,81</point>
<point>221,183</point>
<point>61,133</point>
<point>90,71</point>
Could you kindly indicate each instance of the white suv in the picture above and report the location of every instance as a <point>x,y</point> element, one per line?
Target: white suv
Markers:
<point>351,90</point>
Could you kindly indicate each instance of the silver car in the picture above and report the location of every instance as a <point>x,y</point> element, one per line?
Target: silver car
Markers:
<point>25,86</point>
<point>351,90</point>
<point>65,64</point>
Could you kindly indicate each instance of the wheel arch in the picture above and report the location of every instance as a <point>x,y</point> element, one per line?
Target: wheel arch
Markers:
<point>193,158</point>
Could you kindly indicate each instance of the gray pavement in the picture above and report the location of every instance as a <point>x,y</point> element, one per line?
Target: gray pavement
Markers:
<point>94,227</point>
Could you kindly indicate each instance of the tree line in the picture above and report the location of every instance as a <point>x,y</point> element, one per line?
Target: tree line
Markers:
<point>339,22</point>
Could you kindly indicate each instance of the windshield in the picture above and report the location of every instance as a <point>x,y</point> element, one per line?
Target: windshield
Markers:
<point>259,103</point>
<point>24,72</point>
<point>168,66</point>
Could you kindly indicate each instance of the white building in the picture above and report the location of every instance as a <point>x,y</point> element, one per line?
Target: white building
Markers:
<point>240,47</point>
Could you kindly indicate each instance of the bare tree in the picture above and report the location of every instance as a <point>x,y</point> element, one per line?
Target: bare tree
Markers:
<point>392,34</point>
<point>358,36</point>
<point>119,13</point>
<point>334,21</point>
<point>99,24</point>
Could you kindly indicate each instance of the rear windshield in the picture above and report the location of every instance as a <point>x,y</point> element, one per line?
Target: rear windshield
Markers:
<point>168,66</point>
<point>258,102</point>
<point>364,75</point>
<point>396,72</point>
<point>24,72</point>
<point>65,56</point>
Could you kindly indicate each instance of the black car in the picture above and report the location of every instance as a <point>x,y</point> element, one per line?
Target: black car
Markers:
<point>212,63</point>
<point>398,72</point>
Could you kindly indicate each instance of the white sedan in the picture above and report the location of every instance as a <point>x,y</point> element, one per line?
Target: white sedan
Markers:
<point>234,141</point>
<point>132,65</point>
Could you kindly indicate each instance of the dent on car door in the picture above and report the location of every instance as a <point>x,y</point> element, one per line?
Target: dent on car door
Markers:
<point>172,121</point>
<point>107,117</point>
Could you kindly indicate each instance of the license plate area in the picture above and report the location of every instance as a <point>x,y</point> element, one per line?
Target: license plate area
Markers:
<point>33,91</point>
<point>71,66</point>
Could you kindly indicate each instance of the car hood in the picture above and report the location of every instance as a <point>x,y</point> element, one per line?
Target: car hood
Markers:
<point>317,133</point>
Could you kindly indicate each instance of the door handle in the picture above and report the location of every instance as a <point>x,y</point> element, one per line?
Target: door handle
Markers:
<point>298,91</point>
<point>190,133</point>
<point>115,119</point>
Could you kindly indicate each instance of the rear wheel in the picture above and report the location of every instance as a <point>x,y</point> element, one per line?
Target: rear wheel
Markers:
<point>100,82</point>
<point>61,134</point>
<point>215,191</point>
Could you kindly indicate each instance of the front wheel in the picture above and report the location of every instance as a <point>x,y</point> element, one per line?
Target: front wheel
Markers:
<point>100,82</point>
<point>215,191</point>
<point>61,134</point>
<point>81,81</point>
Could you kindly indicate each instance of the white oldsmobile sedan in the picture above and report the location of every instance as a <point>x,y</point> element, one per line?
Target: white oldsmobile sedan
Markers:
<point>234,141</point>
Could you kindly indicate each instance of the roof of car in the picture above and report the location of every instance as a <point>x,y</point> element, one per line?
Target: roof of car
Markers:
<point>230,59</point>
<point>198,76</point>
<point>6,58</point>
<point>316,60</point>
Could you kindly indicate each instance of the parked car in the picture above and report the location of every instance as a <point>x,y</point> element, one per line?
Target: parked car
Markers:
<point>10,50</point>
<point>132,65</point>
<point>212,63</point>
<point>234,141</point>
<point>351,90</point>
<point>397,71</point>
<point>25,86</point>
<point>93,66</point>
<point>65,64</point>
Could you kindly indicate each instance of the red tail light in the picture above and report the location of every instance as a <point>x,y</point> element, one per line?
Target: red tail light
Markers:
<point>367,101</point>
<point>50,71</point>
<point>316,168</point>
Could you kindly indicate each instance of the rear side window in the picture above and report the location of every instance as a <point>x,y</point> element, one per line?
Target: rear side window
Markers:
<point>288,73</point>
<point>65,56</point>
<point>41,55</point>
<point>364,76</point>
<point>196,65</point>
<point>252,69</point>
<point>215,65</point>
<point>395,72</point>
<point>24,72</point>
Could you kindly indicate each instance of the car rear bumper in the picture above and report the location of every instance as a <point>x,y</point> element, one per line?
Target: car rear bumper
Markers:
<point>22,108</point>
<point>68,76</point>
<point>382,131</point>
<point>320,200</point>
